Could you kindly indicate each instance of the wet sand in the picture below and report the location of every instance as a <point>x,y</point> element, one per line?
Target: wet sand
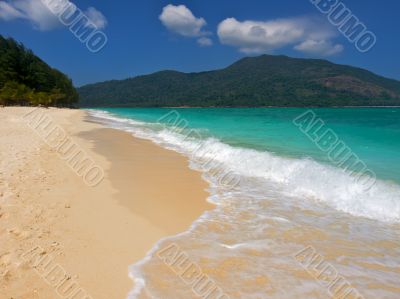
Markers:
<point>92,233</point>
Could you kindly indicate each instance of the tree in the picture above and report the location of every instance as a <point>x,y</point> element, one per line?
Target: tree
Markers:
<point>26,79</point>
<point>14,93</point>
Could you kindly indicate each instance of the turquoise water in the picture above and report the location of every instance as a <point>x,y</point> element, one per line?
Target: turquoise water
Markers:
<point>371,133</point>
<point>286,195</point>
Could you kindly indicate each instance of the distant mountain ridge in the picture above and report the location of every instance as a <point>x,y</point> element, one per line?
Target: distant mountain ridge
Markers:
<point>261,81</point>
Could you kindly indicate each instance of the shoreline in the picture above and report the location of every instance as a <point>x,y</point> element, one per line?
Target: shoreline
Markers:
<point>244,107</point>
<point>102,229</point>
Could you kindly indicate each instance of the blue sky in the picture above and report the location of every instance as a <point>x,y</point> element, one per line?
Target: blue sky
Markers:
<point>146,36</point>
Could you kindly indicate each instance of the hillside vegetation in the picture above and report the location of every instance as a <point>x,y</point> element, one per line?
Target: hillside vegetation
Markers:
<point>26,80</point>
<point>250,82</point>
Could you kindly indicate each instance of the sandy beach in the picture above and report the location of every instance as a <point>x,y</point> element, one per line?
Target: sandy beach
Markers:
<point>90,234</point>
<point>199,150</point>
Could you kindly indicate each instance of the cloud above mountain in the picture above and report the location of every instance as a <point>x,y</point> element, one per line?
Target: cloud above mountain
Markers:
<point>36,12</point>
<point>308,35</point>
<point>180,20</point>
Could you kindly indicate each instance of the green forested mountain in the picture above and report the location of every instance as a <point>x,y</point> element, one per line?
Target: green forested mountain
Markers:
<point>258,81</point>
<point>26,80</point>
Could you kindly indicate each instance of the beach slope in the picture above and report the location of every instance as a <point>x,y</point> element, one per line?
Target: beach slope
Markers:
<point>64,230</point>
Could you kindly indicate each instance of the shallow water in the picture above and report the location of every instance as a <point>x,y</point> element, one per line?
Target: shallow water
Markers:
<point>276,194</point>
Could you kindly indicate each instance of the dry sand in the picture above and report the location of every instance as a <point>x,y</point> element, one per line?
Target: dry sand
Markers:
<point>91,233</point>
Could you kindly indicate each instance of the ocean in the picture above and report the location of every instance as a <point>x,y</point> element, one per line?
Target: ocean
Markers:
<point>299,193</point>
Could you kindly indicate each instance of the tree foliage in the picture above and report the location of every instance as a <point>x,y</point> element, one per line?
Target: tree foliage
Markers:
<point>251,82</point>
<point>26,80</point>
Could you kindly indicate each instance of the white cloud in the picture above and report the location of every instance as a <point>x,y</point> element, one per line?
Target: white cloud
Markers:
<point>32,10</point>
<point>179,19</point>
<point>40,16</point>
<point>255,37</point>
<point>96,17</point>
<point>8,12</point>
<point>205,42</point>
<point>321,47</point>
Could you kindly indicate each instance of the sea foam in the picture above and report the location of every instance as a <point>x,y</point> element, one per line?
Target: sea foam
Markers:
<point>304,178</point>
<point>260,221</point>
